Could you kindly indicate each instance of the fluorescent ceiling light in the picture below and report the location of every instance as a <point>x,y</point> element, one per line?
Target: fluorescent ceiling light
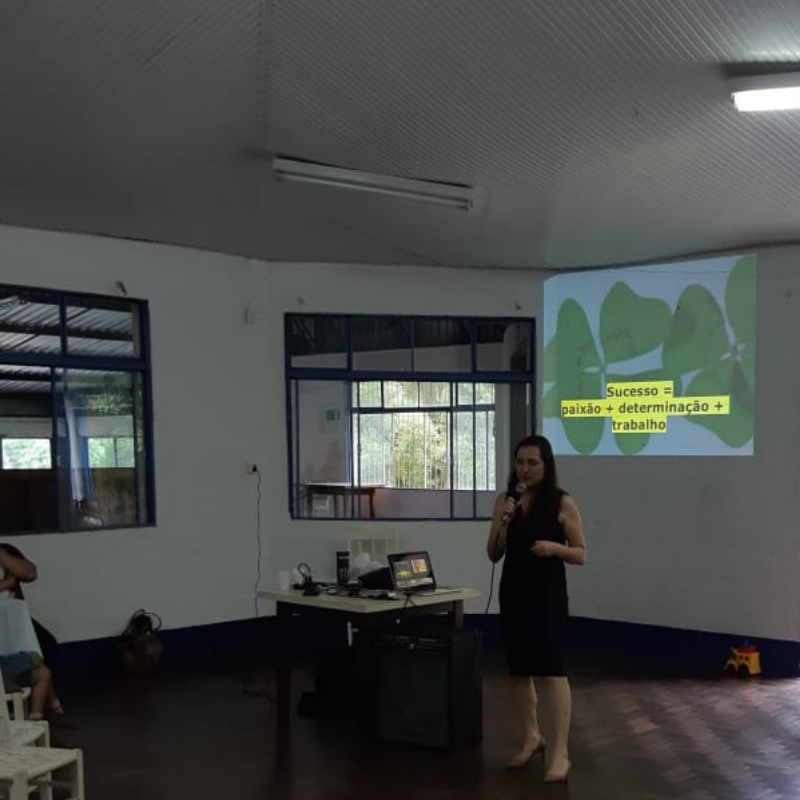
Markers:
<point>443,194</point>
<point>776,92</point>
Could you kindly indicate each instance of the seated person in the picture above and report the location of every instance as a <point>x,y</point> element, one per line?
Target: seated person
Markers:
<point>15,570</point>
<point>28,669</point>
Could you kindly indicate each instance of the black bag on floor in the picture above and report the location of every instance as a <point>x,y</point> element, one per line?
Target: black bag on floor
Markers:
<point>141,647</point>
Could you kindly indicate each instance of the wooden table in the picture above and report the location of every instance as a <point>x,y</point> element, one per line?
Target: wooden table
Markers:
<point>340,492</point>
<point>361,612</point>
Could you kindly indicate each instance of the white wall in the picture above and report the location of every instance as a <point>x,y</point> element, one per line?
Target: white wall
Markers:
<point>219,405</point>
<point>456,547</point>
<point>709,544</point>
<point>199,564</point>
<point>704,544</point>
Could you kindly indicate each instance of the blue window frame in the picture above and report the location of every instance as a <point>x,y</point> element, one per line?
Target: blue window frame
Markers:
<point>74,372</point>
<point>404,417</point>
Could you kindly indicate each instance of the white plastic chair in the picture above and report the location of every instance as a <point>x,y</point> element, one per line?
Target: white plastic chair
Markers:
<point>27,769</point>
<point>18,732</point>
<point>15,734</point>
<point>17,702</point>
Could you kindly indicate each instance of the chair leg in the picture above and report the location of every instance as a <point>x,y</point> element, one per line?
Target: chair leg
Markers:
<point>72,781</point>
<point>19,787</point>
<point>46,787</point>
<point>77,773</point>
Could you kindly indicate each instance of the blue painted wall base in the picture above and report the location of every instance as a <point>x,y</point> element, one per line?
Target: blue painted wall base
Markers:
<point>627,648</point>
<point>614,648</point>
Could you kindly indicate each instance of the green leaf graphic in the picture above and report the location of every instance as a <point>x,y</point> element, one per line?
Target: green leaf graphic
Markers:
<point>631,443</point>
<point>740,300</point>
<point>727,377</point>
<point>576,349</point>
<point>631,325</point>
<point>573,352</point>
<point>585,434</point>
<point>696,351</point>
<point>740,306</point>
<point>697,338</point>
<point>747,358</point>
<point>551,403</point>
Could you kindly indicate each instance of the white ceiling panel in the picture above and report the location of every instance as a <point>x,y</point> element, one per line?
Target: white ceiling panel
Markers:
<point>597,133</point>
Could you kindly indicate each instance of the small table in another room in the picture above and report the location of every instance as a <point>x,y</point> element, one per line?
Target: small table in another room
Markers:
<point>340,492</point>
<point>362,612</point>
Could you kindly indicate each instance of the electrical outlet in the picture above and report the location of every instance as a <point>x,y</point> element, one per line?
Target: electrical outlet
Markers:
<point>253,468</point>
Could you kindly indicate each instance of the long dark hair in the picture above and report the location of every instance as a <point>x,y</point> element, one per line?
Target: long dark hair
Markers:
<point>548,494</point>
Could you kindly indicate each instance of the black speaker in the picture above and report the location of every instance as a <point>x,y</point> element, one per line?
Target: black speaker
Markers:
<point>428,687</point>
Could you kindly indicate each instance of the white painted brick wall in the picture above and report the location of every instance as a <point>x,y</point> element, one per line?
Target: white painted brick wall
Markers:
<point>707,544</point>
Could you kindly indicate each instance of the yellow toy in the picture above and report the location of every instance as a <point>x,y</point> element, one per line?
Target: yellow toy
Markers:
<point>743,661</point>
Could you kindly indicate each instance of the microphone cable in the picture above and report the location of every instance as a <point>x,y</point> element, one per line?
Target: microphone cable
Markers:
<point>258,540</point>
<point>491,578</point>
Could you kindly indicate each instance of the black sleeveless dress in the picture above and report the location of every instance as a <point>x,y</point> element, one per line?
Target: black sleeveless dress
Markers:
<point>533,595</point>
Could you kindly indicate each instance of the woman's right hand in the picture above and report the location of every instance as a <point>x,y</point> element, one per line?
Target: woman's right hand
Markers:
<point>510,509</point>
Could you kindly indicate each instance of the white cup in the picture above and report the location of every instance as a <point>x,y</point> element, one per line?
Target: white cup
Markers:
<point>284,581</point>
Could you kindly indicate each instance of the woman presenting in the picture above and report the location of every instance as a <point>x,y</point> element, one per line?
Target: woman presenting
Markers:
<point>537,527</point>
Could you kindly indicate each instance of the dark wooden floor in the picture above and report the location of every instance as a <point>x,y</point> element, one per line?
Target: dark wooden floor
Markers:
<point>210,735</point>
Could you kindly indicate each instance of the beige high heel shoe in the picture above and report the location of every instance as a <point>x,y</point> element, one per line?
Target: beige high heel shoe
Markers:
<point>558,777</point>
<point>527,753</point>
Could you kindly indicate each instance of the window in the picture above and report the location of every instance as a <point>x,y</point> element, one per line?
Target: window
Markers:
<point>404,417</point>
<point>25,453</point>
<point>108,452</point>
<point>406,435</point>
<point>74,412</point>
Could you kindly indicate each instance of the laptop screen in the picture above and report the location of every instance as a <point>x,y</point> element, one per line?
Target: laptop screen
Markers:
<point>411,572</point>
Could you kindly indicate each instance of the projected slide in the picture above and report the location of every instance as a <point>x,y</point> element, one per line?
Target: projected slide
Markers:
<point>656,360</point>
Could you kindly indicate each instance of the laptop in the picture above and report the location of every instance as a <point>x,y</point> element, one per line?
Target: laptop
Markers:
<point>412,573</point>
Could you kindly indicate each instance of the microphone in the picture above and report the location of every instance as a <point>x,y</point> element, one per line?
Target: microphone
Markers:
<point>519,489</point>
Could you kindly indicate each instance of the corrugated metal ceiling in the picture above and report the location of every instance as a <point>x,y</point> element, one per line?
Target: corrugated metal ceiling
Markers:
<point>30,324</point>
<point>600,132</point>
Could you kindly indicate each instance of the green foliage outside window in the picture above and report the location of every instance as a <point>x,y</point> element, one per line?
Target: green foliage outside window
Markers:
<point>26,454</point>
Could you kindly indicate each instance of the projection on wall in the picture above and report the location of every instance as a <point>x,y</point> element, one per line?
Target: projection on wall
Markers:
<point>655,360</point>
